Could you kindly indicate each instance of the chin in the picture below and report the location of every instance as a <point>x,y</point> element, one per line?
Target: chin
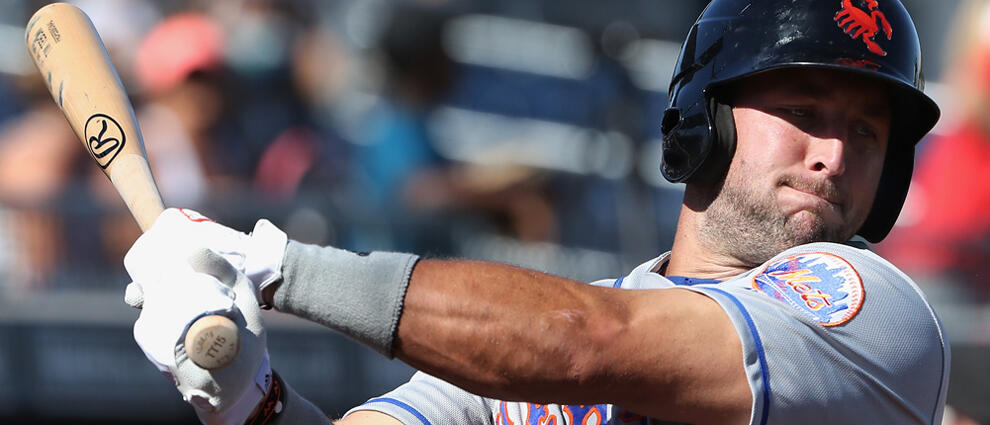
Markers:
<point>807,227</point>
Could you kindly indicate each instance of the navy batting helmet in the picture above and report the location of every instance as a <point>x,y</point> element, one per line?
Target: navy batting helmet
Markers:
<point>735,39</point>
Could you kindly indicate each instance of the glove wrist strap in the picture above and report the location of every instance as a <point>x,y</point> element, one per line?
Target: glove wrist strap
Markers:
<point>271,405</point>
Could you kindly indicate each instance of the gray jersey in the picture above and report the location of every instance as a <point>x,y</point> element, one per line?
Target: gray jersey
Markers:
<point>830,333</point>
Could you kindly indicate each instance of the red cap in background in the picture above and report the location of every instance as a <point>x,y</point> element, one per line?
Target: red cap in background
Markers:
<point>178,46</point>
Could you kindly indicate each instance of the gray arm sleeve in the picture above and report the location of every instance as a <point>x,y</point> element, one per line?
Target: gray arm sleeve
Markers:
<point>360,295</point>
<point>426,400</point>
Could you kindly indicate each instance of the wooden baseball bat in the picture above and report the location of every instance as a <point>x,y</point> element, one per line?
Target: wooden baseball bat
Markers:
<point>71,57</point>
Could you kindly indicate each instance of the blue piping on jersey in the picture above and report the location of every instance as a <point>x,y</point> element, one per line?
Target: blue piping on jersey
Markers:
<point>941,381</point>
<point>405,406</point>
<point>618,282</point>
<point>690,281</point>
<point>759,352</point>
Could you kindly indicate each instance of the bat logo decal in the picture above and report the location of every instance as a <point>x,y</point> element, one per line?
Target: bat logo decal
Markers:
<point>108,140</point>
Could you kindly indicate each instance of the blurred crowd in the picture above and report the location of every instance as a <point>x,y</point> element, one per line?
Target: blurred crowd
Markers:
<point>518,131</point>
<point>449,128</point>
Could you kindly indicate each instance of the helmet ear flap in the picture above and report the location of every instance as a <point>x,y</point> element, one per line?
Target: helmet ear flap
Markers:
<point>676,164</point>
<point>691,156</point>
<point>896,178</point>
<point>716,164</point>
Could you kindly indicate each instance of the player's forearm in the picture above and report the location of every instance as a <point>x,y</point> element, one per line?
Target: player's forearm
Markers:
<point>507,332</point>
<point>515,334</point>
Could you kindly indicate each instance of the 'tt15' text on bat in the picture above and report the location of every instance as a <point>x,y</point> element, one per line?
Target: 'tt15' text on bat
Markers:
<point>74,63</point>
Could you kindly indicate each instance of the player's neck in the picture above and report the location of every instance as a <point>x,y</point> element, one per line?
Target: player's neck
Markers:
<point>689,257</point>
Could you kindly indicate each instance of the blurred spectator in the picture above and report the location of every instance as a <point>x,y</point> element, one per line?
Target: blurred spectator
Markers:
<point>179,68</point>
<point>308,151</point>
<point>259,39</point>
<point>412,188</point>
<point>37,156</point>
<point>395,142</point>
<point>944,231</point>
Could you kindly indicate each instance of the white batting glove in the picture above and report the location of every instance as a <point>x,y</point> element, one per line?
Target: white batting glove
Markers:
<point>176,293</point>
<point>258,255</point>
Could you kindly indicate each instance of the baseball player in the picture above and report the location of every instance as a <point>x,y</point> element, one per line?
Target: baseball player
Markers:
<point>793,125</point>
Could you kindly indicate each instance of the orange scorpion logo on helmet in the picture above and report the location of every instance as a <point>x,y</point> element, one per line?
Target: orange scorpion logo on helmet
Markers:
<point>857,23</point>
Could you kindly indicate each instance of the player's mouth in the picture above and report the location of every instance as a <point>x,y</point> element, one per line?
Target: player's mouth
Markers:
<point>823,196</point>
<point>824,190</point>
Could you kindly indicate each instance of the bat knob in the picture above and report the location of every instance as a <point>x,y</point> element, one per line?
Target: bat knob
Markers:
<point>212,342</point>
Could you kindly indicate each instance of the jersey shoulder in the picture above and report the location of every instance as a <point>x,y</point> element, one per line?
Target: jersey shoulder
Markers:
<point>839,286</point>
<point>850,318</point>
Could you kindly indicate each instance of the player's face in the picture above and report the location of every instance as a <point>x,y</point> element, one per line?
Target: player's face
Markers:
<point>809,154</point>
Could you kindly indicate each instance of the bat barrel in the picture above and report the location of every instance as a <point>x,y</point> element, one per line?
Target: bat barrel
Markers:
<point>84,84</point>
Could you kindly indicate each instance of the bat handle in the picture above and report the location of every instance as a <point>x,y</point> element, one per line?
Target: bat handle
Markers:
<point>212,342</point>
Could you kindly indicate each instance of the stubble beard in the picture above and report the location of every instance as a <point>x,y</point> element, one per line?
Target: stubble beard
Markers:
<point>748,226</point>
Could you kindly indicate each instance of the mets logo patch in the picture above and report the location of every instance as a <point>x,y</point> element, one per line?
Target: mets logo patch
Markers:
<point>824,286</point>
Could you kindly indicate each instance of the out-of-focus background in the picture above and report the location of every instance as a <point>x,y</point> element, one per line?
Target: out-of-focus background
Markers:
<point>521,131</point>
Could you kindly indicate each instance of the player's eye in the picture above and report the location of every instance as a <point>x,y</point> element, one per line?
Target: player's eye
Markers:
<point>866,137</point>
<point>865,130</point>
<point>797,111</point>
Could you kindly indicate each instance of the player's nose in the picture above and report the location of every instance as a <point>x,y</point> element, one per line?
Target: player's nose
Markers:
<point>827,155</point>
